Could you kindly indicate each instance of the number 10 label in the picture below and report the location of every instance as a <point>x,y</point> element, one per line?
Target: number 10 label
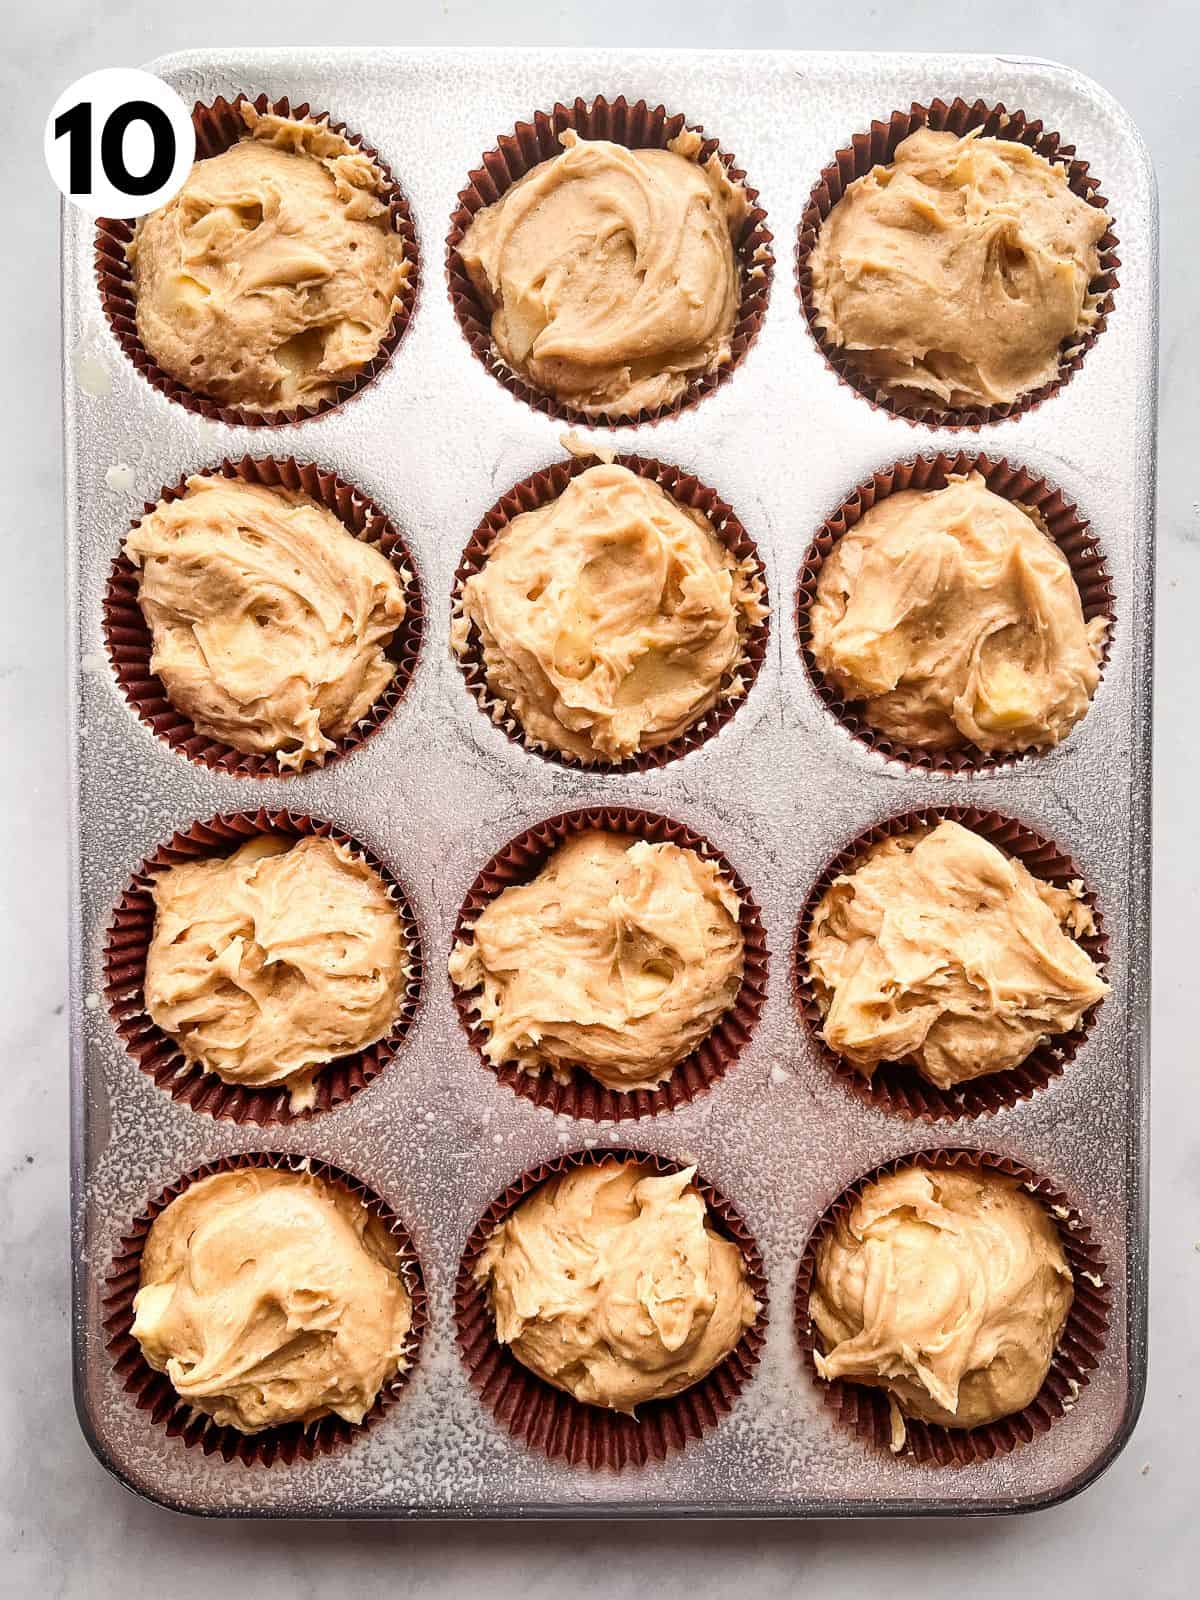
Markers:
<point>119,142</point>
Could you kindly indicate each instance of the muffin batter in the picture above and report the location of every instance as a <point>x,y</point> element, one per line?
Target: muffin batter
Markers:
<point>611,619</point>
<point>610,1283</point>
<point>269,963</point>
<point>953,618</point>
<point>954,275</point>
<point>272,1297</point>
<point>941,951</point>
<point>269,619</point>
<point>274,274</point>
<point>610,273</point>
<point>619,957</point>
<point>949,1289</point>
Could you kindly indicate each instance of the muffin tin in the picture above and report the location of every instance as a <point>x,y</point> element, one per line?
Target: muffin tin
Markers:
<point>438,790</point>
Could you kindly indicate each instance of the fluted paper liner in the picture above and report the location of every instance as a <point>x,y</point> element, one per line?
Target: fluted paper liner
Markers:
<point>878,147</point>
<point>550,1420</point>
<point>637,127</point>
<point>1063,522</point>
<point>900,1087</point>
<point>582,1095</point>
<point>218,127</point>
<point>129,644</point>
<point>540,489</point>
<point>865,1411</point>
<point>152,1391</point>
<point>158,1055</point>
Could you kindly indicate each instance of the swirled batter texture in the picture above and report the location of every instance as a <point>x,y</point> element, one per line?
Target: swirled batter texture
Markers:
<point>611,1283</point>
<point>269,620</point>
<point>611,274</point>
<point>619,957</point>
<point>950,617</point>
<point>955,274</point>
<point>269,963</point>
<point>948,1289</point>
<point>612,619</point>
<point>274,274</point>
<point>271,1297</point>
<point>941,951</point>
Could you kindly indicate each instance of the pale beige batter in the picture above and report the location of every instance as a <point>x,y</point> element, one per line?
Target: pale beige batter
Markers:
<point>941,951</point>
<point>611,619</point>
<point>950,617</point>
<point>611,274</point>
<point>610,1282</point>
<point>619,957</point>
<point>269,963</point>
<point>274,274</point>
<point>948,1289</point>
<point>954,274</point>
<point>272,1297</point>
<point>270,621</point>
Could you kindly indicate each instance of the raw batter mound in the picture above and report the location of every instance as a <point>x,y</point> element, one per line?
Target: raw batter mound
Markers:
<point>610,1282</point>
<point>274,274</point>
<point>611,274</point>
<point>953,275</point>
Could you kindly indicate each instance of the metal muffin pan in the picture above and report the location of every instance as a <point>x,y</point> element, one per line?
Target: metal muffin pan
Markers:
<point>435,441</point>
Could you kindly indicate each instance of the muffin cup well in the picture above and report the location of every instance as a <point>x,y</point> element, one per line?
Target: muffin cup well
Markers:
<point>129,644</point>
<point>540,489</point>
<point>550,1420</point>
<point>877,148</point>
<point>899,1087</point>
<point>1063,522</point>
<point>158,1055</point>
<point>583,1096</point>
<point>637,127</point>
<point>218,127</point>
<point>865,1411</point>
<point>153,1392</point>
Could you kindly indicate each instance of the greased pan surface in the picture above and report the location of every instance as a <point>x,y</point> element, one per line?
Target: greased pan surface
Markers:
<point>435,441</point>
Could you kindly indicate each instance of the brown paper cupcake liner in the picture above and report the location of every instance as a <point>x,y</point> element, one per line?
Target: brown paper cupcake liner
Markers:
<point>539,489</point>
<point>152,1391</point>
<point>637,127</point>
<point>865,1411</point>
<point>548,1419</point>
<point>129,645</point>
<point>218,127</point>
<point>899,1087</point>
<point>158,1055</point>
<point>876,148</point>
<point>583,1096</point>
<point>1062,521</point>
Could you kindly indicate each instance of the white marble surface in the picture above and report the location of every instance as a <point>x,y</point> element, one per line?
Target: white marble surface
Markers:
<point>69,1530</point>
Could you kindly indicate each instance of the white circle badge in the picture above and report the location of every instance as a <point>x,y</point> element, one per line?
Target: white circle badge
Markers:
<point>119,142</point>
